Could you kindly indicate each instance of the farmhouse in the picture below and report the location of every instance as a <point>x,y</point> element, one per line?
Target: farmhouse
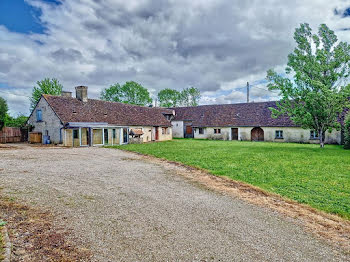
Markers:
<point>244,121</point>
<point>81,121</point>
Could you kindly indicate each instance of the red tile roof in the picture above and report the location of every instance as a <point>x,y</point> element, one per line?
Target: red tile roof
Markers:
<point>70,109</point>
<point>244,114</point>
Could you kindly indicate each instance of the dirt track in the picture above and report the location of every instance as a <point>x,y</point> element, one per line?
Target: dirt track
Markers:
<point>128,208</point>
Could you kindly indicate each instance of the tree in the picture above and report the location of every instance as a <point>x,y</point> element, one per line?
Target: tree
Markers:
<point>169,97</point>
<point>3,112</point>
<point>130,93</point>
<point>19,121</point>
<point>347,132</point>
<point>47,86</point>
<point>315,94</point>
<point>173,98</point>
<point>190,96</point>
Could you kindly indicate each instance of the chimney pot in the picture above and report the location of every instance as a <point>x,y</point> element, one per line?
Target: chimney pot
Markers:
<point>66,94</point>
<point>81,93</point>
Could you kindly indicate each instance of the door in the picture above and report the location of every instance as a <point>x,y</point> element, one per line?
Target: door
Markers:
<point>234,133</point>
<point>125,135</point>
<point>188,132</point>
<point>106,136</point>
<point>76,139</point>
<point>257,134</point>
<point>156,133</point>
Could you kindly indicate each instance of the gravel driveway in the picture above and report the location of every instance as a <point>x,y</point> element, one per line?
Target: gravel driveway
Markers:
<point>127,208</point>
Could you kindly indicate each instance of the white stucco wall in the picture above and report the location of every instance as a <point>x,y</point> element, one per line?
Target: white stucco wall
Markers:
<point>209,133</point>
<point>50,121</point>
<point>178,129</point>
<point>290,134</point>
<point>147,133</point>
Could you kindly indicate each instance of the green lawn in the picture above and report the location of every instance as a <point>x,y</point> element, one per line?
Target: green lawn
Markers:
<point>303,172</point>
<point>1,247</point>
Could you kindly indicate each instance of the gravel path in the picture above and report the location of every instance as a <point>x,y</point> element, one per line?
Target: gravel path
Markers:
<point>129,209</point>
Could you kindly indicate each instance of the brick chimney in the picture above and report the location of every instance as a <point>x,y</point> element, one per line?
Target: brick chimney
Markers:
<point>81,93</point>
<point>66,94</point>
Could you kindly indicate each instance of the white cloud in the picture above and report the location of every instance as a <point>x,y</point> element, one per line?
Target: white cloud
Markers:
<point>216,46</point>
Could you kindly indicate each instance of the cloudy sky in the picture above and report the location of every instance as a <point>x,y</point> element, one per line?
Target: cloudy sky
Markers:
<point>215,45</point>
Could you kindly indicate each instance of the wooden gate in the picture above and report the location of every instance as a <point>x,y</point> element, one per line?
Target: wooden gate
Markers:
<point>234,133</point>
<point>257,134</point>
<point>10,135</point>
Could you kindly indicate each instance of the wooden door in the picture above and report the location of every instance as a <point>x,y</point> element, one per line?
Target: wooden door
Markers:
<point>156,133</point>
<point>257,134</point>
<point>188,131</point>
<point>234,133</point>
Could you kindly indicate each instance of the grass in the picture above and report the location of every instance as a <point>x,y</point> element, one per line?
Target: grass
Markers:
<point>2,223</point>
<point>302,172</point>
<point>1,247</point>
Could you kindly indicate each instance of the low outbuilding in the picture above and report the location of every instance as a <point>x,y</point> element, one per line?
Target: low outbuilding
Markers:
<point>81,121</point>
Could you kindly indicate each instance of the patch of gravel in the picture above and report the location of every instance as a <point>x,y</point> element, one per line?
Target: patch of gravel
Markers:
<point>126,208</point>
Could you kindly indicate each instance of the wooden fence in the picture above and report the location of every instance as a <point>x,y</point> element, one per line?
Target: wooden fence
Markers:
<point>13,135</point>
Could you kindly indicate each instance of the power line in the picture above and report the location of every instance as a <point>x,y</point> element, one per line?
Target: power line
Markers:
<point>265,89</point>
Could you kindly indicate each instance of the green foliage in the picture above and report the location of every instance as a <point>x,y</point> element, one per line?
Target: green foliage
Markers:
<point>169,97</point>
<point>347,131</point>
<point>302,172</point>
<point>129,93</point>
<point>173,98</point>
<point>314,94</point>
<point>190,96</point>
<point>19,121</point>
<point>47,86</point>
<point>2,223</point>
<point>3,112</point>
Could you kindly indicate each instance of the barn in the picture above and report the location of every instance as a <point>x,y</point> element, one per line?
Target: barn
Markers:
<point>243,121</point>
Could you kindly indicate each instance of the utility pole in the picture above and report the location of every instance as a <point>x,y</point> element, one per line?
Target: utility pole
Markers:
<point>247,92</point>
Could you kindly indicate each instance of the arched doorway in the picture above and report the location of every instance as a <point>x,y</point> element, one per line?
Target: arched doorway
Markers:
<point>257,134</point>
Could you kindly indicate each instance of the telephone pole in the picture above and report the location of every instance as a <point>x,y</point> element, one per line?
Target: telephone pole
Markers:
<point>247,92</point>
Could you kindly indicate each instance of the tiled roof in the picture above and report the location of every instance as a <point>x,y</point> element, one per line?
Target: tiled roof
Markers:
<point>70,109</point>
<point>244,114</point>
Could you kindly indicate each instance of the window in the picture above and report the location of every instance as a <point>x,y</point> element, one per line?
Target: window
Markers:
<point>113,132</point>
<point>75,134</point>
<point>164,130</point>
<point>39,116</point>
<point>279,134</point>
<point>313,134</point>
<point>217,131</point>
<point>201,130</point>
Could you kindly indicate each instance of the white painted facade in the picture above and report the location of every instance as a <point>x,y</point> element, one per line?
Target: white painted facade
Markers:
<point>290,134</point>
<point>178,129</point>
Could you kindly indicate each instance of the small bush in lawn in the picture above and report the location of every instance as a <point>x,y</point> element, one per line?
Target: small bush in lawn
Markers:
<point>347,132</point>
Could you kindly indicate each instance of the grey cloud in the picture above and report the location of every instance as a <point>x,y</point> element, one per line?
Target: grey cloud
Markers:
<point>212,45</point>
<point>65,55</point>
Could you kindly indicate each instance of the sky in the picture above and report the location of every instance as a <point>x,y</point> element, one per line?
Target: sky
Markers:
<point>214,45</point>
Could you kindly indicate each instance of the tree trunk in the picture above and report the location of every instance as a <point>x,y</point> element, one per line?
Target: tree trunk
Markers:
<point>322,138</point>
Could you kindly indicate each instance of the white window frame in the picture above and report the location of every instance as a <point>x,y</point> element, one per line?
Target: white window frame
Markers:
<point>280,134</point>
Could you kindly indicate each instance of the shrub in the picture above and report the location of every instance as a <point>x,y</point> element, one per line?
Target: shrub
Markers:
<point>347,131</point>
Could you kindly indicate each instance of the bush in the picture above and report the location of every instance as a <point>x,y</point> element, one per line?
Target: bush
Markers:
<point>347,132</point>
